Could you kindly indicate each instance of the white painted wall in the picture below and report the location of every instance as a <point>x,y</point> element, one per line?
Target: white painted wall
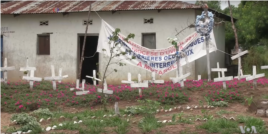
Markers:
<point>64,40</point>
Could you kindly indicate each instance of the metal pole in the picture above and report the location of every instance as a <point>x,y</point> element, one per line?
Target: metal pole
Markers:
<point>208,61</point>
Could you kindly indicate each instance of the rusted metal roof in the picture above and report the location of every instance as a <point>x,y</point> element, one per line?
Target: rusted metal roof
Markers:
<point>38,7</point>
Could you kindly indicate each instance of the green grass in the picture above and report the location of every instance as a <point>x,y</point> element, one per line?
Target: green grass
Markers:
<point>149,123</point>
<point>221,112</point>
<point>221,126</point>
<point>265,96</point>
<point>251,121</point>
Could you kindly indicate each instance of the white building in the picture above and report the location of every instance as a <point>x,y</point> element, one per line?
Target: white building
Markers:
<point>51,33</point>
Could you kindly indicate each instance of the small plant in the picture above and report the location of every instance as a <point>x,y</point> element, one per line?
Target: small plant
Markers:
<point>201,103</point>
<point>249,100</point>
<point>173,117</point>
<point>206,114</point>
<point>121,127</point>
<point>42,112</point>
<point>149,123</point>
<point>219,103</point>
<point>223,112</point>
<point>221,125</point>
<point>28,122</point>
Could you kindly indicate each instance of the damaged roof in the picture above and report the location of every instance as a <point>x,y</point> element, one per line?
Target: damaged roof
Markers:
<point>44,7</point>
<point>48,6</point>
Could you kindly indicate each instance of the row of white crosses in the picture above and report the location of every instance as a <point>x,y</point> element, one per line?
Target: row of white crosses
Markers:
<point>30,75</point>
<point>223,78</point>
<point>5,69</point>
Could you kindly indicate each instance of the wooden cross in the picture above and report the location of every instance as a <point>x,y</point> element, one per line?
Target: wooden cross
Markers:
<point>198,78</point>
<point>139,84</point>
<point>156,81</point>
<point>94,78</point>
<point>242,76</point>
<point>264,67</point>
<point>31,78</point>
<point>105,89</point>
<point>82,89</point>
<point>239,60</point>
<point>27,68</point>
<point>180,78</point>
<point>223,78</point>
<point>60,74</point>
<point>5,69</point>
<point>254,77</point>
<point>129,81</point>
<point>219,73</point>
<point>54,78</point>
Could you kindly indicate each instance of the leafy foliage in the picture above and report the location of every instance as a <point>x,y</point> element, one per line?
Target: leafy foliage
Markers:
<point>28,122</point>
<point>252,121</point>
<point>149,123</point>
<point>219,103</point>
<point>42,112</point>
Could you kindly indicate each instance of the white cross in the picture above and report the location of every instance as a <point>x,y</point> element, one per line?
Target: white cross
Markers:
<point>31,78</point>
<point>264,67</point>
<point>116,108</point>
<point>156,81</point>
<point>198,78</point>
<point>27,68</point>
<point>54,78</point>
<point>242,76</point>
<point>105,89</point>
<point>129,81</point>
<point>223,78</point>
<point>254,77</point>
<point>239,60</point>
<point>60,74</point>
<point>94,78</point>
<point>82,89</point>
<point>5,69</point>
<point>139,84</point>
<point>219,73</point>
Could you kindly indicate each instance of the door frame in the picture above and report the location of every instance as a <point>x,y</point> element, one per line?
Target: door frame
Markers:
<point>78,50</point>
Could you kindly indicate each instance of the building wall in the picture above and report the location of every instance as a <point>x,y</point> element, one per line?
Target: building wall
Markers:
<point>64,40</point>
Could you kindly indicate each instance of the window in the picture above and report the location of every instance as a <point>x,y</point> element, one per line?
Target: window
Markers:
<point>43,23</point>
<point>148,40</point>
<point>90,22</point>
<point>43,45</point>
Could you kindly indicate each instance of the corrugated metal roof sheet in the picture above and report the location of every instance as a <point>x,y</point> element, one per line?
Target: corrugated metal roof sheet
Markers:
<point>36,7</point>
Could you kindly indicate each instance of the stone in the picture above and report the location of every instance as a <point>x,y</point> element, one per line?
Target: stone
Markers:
<point>198,119</point>
<point>260,112</point>
<point>60,124</point>
<point>164,121</point>
<point>232,118</point>
<point>48,128</point>
<point>54,127</point>
<point>41,119</point>
<point>80,121</point>
<point>75,122</point>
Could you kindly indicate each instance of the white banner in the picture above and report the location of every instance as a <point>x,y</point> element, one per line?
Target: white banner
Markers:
<point>160,61</point>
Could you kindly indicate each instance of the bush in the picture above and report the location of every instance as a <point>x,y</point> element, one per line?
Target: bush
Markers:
<point>42,112</point>
<point>28,122</point>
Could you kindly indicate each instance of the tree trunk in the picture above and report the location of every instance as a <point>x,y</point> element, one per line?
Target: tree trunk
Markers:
<point>233,26</point>
<point>83,49</point>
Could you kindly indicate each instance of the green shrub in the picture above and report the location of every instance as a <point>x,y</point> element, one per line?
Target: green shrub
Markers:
<point>28,122</point>
<point>42,112</point>
<point>219,103</point>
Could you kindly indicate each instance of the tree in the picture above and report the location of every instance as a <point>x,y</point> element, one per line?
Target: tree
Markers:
<point>215,5</point>
<point>114,54</point>
<point>253,22</point>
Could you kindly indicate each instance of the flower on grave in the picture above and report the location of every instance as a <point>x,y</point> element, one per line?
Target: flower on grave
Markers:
<point>20,106</point>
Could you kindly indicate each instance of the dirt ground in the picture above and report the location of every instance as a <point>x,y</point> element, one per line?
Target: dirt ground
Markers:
<point>235,108</point>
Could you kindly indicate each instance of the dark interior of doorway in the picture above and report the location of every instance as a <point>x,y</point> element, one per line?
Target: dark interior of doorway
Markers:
<point>89,64</point>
